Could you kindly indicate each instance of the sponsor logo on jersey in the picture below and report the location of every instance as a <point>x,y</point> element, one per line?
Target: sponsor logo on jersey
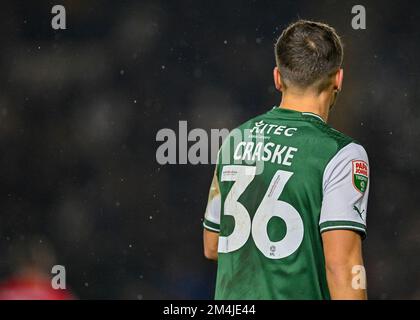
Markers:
<point>360,175</point>
<point>358,212</point>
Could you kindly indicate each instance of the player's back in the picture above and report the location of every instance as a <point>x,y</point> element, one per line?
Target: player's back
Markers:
<point>272,177</point>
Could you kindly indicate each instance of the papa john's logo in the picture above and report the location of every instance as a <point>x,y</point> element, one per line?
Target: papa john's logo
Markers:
<point>360,175</point>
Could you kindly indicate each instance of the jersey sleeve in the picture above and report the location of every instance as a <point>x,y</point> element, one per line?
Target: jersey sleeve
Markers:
<point>345,191</point>
<point>212,214</point>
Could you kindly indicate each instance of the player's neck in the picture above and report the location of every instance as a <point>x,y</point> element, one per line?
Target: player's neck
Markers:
<point>319,104</point>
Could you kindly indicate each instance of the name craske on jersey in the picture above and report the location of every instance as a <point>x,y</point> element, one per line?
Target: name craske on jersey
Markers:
<point>314,179</point>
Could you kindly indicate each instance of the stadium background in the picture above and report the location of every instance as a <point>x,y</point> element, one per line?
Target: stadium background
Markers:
<point>80,109</point>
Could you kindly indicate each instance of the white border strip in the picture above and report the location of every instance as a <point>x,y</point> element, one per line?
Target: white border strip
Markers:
<point>313,115</point>
<point>210,228</point>
<point>342,227</point>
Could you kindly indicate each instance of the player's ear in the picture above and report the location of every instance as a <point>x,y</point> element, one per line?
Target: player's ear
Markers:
<point>277,78</point>
<point>338,81</point>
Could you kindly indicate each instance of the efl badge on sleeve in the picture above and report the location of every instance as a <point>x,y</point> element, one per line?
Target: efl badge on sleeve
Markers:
<point>360,175</point>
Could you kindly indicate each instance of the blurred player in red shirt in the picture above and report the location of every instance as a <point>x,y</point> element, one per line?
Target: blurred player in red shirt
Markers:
<point>31,265</point>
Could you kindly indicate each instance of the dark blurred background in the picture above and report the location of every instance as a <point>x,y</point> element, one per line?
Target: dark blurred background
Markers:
<point>80,109</point>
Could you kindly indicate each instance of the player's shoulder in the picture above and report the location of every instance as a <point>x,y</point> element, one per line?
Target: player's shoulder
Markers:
<point>337,139</point>
<point>252,121</point>
<point>240,129</point>
<point>267,117</point>
<point>346,150</point>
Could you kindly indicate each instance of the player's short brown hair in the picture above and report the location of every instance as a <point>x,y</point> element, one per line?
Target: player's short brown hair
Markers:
<point>307,54</point>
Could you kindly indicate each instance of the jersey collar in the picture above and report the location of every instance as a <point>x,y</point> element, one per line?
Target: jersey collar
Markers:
<point>292,114</point>
<point>310,114</point>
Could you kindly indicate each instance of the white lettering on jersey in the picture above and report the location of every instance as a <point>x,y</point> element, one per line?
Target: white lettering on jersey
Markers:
<point>276,153</point>
<point>261,127</point>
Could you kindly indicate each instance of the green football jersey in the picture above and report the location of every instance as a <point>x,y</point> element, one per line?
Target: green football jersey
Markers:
<point>281,180</point>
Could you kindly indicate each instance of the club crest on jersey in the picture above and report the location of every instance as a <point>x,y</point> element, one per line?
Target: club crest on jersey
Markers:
<point>360,175</point>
